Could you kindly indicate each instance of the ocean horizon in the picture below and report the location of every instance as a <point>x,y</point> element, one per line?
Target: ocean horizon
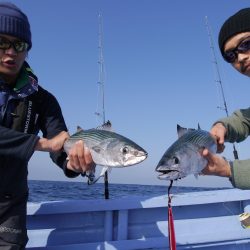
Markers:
<point>40,190</point>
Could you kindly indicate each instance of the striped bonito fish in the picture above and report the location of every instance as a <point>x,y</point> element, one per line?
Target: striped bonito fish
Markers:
<point>108,148</point>
<point>184,156</point>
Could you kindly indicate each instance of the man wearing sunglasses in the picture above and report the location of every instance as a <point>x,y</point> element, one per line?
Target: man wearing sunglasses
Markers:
<point>234,43</point>
<point>25,109</point>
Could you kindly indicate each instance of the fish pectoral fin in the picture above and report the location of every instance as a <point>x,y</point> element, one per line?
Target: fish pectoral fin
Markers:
<point>102,146</point>
<point>97,149</point>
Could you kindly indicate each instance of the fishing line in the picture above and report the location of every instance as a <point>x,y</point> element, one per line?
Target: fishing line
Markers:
<point>171,231</point>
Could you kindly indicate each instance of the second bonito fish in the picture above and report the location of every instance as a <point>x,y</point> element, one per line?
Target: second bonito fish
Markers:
<point>107,148</point>
<point>184,156</point>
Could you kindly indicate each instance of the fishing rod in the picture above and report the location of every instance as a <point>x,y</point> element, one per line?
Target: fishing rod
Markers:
<point>218,79</point>
<point>101,68</point>
<point>101,90</point>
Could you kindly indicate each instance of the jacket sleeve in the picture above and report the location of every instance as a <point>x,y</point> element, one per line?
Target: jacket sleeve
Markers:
<point>240,174</point>
<point>238,129</point>
<point>16,144</point>
<point>237,125</point>
<point>52,123</point>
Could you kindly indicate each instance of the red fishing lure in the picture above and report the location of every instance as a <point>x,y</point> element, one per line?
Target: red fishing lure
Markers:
<point>171,232</point>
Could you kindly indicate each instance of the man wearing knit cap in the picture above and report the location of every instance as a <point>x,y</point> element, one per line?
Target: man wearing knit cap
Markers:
<point>25,109</point>
<point>234,43</point>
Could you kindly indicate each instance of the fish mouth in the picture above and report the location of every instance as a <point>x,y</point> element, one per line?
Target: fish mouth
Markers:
<point>144,156</point>
<point>141,153</point>
<point>141,156</point>
<point>138,159</point>
<point>168,174</point>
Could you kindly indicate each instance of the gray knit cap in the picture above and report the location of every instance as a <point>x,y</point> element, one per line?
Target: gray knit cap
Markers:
<point>14,22</point>
<point>237,23</point>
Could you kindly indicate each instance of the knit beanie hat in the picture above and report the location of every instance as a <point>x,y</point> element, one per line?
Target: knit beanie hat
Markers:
<point>237,23</point>
<point>14,22</point>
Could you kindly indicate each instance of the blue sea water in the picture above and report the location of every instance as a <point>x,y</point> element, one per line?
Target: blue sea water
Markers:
<point>63,190</point>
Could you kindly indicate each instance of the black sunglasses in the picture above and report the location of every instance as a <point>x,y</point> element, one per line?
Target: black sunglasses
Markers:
<point>231,55</point>
<point>19,46</point>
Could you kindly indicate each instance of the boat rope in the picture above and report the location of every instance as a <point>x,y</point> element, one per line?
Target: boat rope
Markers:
<point>171,232</point>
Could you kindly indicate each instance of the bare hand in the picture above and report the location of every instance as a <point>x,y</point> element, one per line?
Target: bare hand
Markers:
<point>54,144</point>
<point>218,131</point>
<point>216,165</point>
<point>80,159</point>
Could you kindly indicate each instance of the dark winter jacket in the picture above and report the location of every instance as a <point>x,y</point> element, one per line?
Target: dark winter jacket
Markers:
<point>25,111</point>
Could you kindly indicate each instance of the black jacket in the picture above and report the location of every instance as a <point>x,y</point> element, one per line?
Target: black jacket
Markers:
<point>21,120</point>
<point>16,147</point>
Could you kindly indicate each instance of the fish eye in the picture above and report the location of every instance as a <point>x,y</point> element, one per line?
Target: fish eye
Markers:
<point>125,150</point>
<point>176,160</point>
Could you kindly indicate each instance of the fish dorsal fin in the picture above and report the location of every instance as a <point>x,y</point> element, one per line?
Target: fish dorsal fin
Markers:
<point>106,126</point>
<point>181,131</point>
<point>78,129</point>
<point>199,126</point>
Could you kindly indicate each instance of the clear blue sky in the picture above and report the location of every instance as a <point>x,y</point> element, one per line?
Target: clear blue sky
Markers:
<point>159,72</point>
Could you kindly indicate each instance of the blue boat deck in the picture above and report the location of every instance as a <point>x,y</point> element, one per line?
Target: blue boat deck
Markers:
<point>203,220</point>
